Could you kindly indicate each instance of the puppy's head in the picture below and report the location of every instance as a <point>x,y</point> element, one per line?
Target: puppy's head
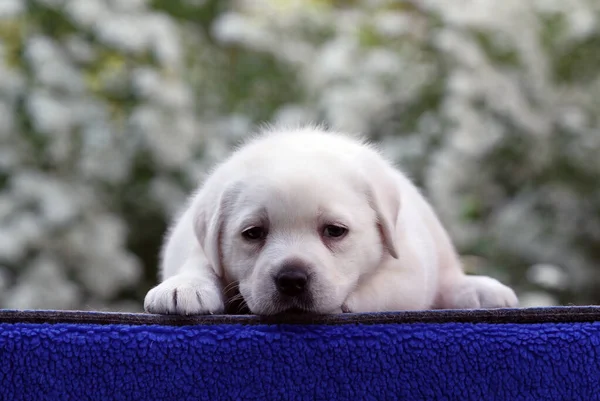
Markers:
<point>301,218</point>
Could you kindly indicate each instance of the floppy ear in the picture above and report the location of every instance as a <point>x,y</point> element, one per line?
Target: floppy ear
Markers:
<point>211,207</point>
<point>384,196</point>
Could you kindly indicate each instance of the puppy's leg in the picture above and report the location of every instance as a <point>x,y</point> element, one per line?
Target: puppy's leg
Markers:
<point>194,290</point>
<point>391,289</point>
<point>474,292</point>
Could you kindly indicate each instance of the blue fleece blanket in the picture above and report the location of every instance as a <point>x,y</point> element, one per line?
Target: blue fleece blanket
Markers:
<point>542,354</point>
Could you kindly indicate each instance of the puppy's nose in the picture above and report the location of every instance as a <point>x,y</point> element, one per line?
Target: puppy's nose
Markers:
<point>291,281</point>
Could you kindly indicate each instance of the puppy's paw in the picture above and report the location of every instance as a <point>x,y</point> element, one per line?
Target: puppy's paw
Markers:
<point>340,310</point>
<point>185,295</point>
<point>478,292</point>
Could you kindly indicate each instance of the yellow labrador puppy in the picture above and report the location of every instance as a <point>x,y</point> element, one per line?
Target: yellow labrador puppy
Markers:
<point>312,221</point>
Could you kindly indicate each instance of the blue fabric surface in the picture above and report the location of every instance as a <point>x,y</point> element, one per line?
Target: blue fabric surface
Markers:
<point>421,361</point>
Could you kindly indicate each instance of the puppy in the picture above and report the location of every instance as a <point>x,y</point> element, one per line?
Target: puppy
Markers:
<point>312,221</point>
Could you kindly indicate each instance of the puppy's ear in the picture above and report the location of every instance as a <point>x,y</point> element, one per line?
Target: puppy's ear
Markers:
<point>211,208</point>
<point>384,196</point>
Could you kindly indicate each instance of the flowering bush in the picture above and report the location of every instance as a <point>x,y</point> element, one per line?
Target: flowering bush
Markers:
<point>112,111</point>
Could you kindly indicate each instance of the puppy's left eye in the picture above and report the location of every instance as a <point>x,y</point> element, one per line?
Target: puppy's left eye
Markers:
<point>334,231</point>
<point>254,234</point>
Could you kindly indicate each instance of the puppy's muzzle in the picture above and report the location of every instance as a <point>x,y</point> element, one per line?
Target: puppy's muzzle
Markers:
<point>292,281</point>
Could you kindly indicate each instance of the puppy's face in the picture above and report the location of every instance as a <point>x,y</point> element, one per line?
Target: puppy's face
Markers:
<point>298,241</point>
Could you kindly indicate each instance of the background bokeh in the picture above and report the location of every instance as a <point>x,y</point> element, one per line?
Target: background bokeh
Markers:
<point>111,111</point>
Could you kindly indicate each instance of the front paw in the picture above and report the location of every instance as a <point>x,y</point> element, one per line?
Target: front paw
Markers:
<point>185,295</point>
<point>477,292</point>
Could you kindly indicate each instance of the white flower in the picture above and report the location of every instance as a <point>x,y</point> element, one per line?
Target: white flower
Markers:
<point>294,115</point>
<point>537,299</point>
<point>103,266</point>
<point>87,13</point>
<point>54,200</point>
<point>126,32</point>
<point>164,40</point>
<point>129,5</point>
<point>548,276</point>
<point>11,8</point>
<point>43,286</point>
<point>49,114</point>
<point>392,24</point>
<point>79,49</point>
<point>11,247</point>
<point>51,68</point>
<point>231,27</point>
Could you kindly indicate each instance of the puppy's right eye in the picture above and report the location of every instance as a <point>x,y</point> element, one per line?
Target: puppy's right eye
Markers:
<point>254,234</point>
<point>334,231</point>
